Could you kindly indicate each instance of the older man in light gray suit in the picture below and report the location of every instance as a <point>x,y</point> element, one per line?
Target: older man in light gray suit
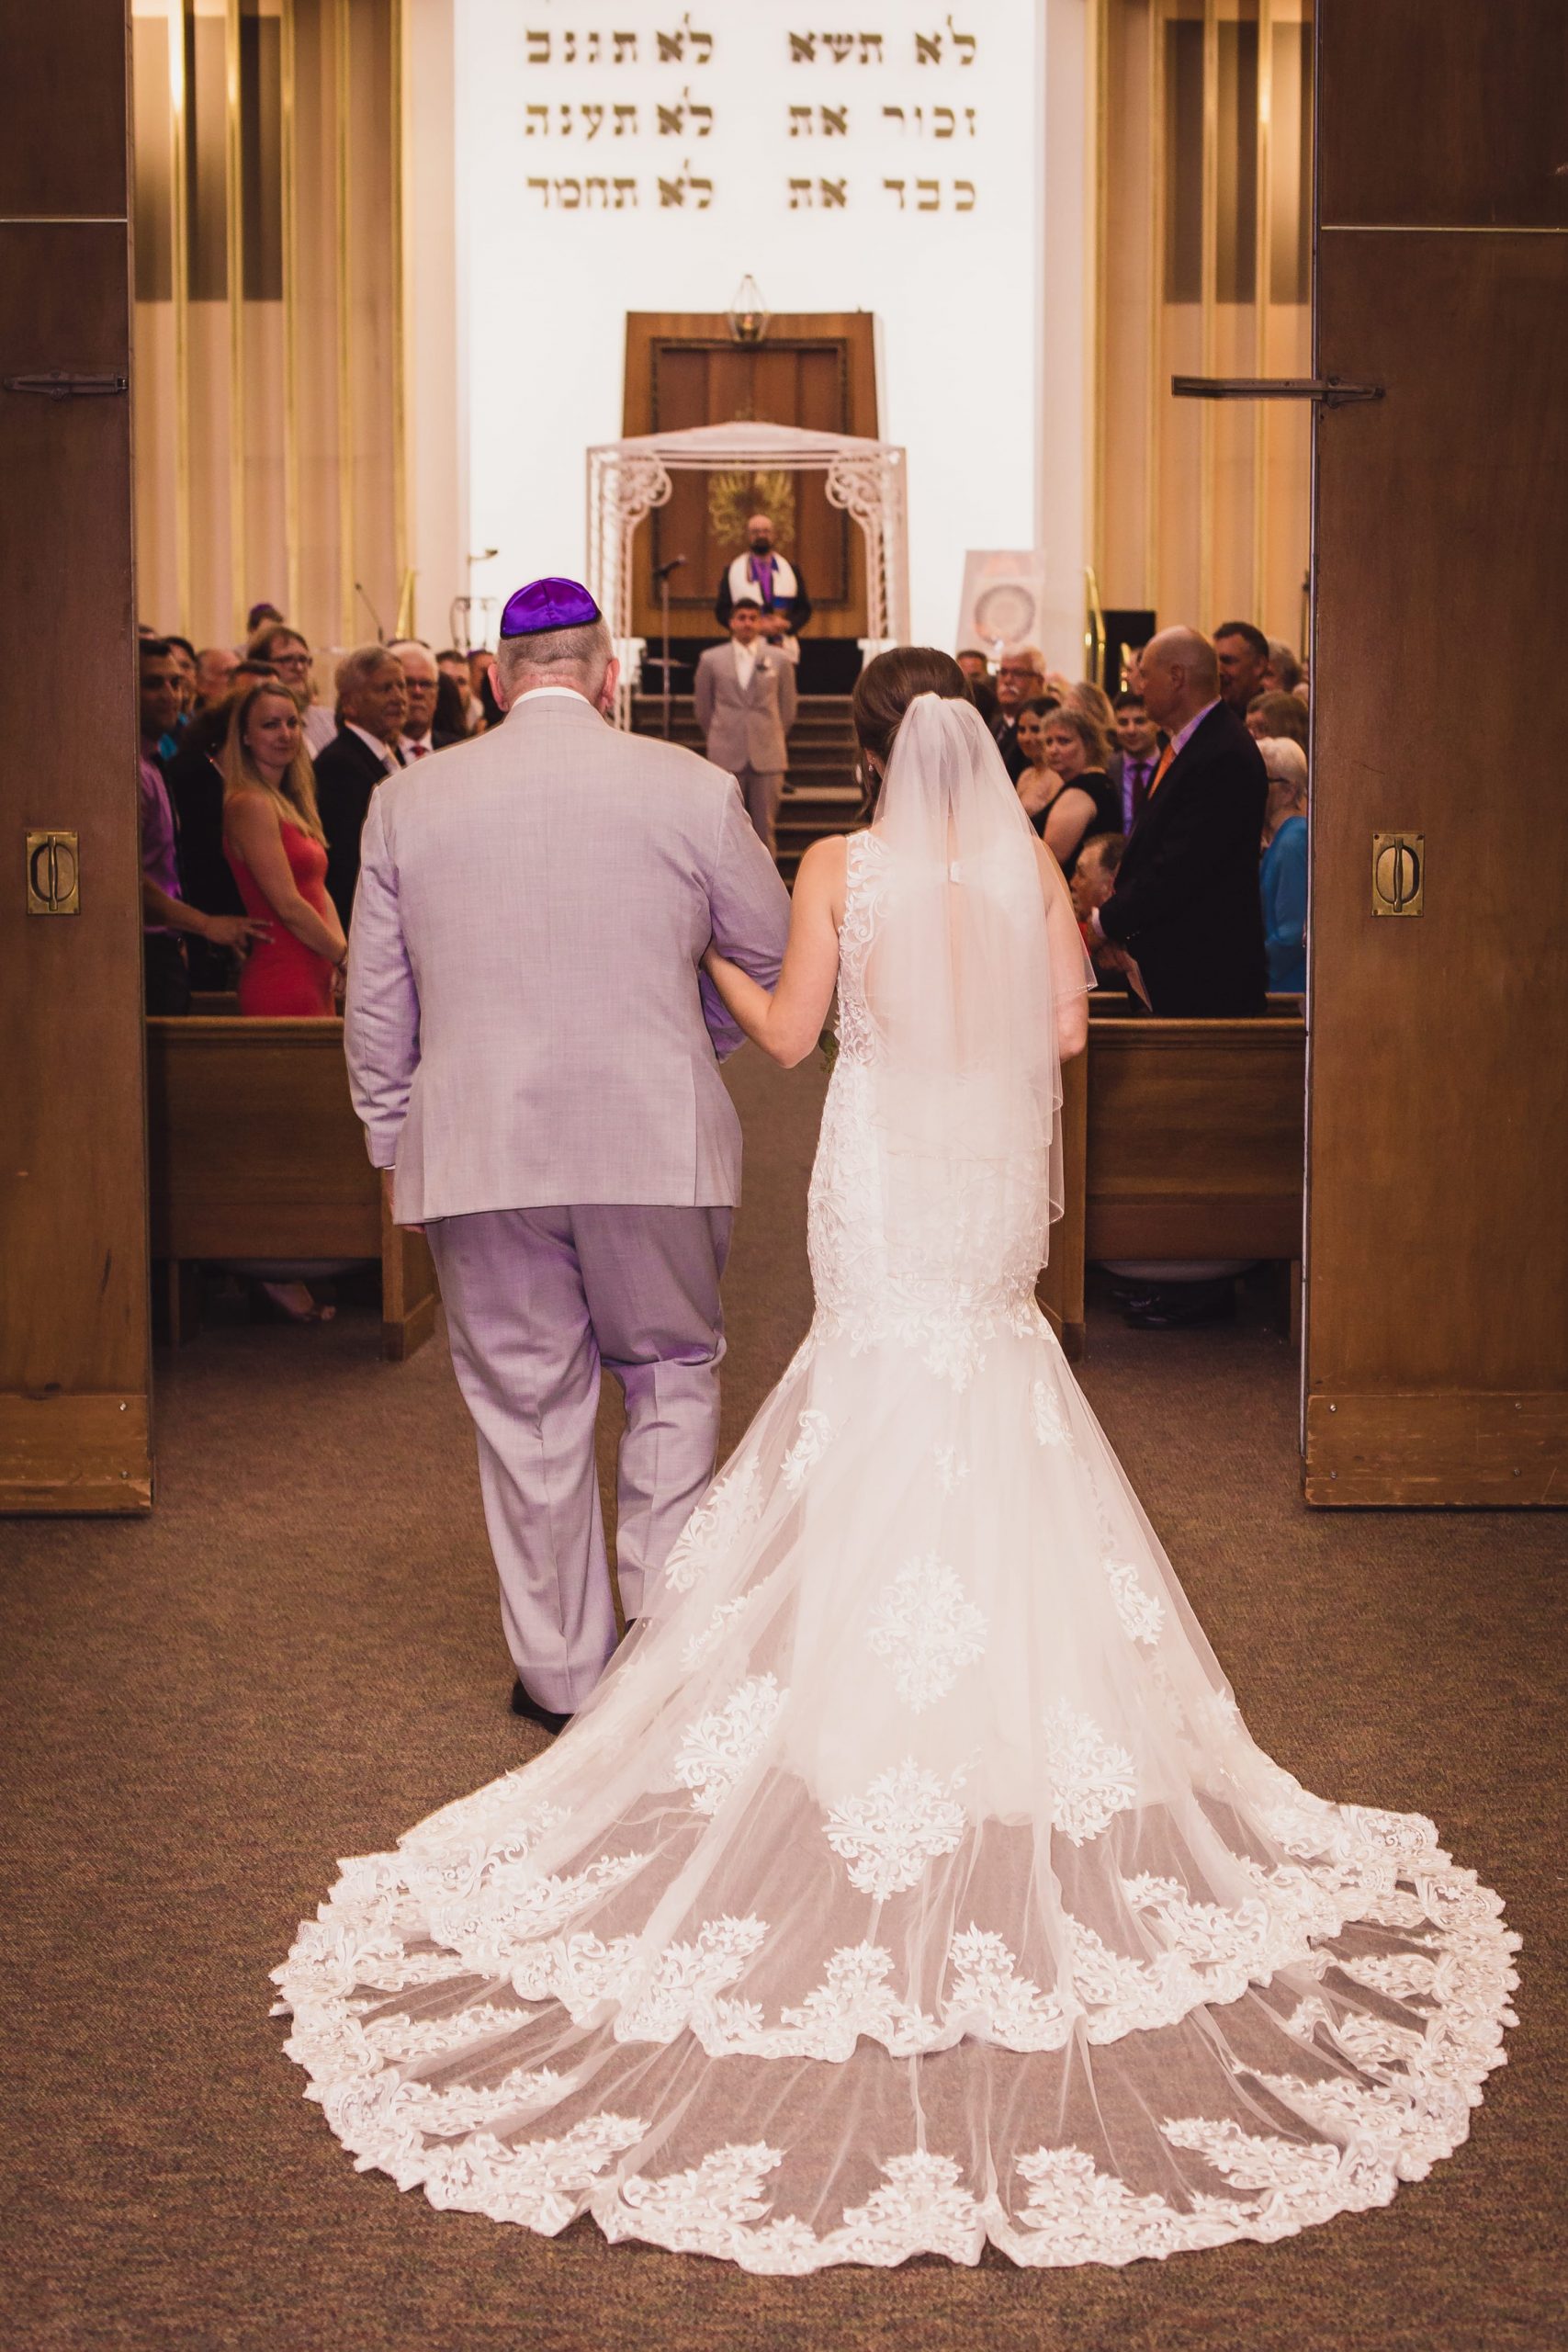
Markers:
<point>532,1046</point>
<point>744,697</point>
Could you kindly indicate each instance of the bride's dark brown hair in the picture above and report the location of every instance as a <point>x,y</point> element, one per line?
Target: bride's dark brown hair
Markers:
<point>887,685</point>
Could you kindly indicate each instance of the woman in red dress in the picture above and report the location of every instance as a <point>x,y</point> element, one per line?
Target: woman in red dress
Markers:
<point>277,852</point>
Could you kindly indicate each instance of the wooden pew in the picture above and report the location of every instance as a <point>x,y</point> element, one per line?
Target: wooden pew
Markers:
<point>254,1152</point>
<point>1180,1139</point>
<point>1195,1142</point>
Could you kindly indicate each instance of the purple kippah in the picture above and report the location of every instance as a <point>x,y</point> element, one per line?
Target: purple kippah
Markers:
<point>548,603</point>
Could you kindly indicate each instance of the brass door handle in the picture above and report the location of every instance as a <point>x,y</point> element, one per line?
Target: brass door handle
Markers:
<point>1399,873</point>
<point>1329,392</point>
<point>60,384</point>
<point>54,874</point>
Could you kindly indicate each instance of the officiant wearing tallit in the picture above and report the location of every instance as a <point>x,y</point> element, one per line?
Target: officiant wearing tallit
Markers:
<point>770,580</point>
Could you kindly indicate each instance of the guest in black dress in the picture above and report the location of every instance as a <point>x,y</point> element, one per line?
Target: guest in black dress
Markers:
<point>1066,794</point>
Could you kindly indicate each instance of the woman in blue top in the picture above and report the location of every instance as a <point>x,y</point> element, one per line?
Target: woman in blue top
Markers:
<point>1283,879</point>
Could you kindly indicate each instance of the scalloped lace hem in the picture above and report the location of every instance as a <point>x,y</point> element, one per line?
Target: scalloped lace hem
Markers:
<point>1353,2140</point>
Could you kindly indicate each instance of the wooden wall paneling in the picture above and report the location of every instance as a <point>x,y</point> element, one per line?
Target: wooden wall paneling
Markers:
<point>73,1374</point>
<point>63,107</point>
<point>1438,113</point>
<point>1436,1332</point>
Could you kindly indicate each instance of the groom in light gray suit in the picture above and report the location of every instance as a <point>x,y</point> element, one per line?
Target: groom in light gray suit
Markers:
<point>744,699</point>
<point>532,1047</point>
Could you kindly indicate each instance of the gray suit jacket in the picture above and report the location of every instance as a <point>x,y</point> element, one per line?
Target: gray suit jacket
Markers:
<point>746,730</point>
<point>525,1026</point>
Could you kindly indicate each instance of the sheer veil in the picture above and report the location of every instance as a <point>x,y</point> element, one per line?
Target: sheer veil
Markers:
<point>961,987</point>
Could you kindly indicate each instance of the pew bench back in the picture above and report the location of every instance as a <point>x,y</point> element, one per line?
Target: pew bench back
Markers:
<point>1195,1142</point>
<point>254,1151</point>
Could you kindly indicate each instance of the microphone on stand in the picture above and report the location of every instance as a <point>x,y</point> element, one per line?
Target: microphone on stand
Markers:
<point>661,572</point>
<point>380,632</point>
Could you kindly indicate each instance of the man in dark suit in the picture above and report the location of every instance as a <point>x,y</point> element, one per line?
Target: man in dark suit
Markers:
<point>372,709</point>
<point>1186,910</point>
<point>1133,770</point>
<point>420,676</point>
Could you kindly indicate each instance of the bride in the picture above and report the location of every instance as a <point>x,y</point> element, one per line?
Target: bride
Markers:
<point>911,1881</point>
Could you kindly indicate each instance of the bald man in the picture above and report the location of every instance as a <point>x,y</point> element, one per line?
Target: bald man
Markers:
<point>1186,908</point>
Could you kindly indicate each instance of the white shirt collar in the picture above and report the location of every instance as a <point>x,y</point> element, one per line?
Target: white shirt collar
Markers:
<point>383,751</point>
<point>745,659</point>
<point>536,694</point>
<point>1179,741</point>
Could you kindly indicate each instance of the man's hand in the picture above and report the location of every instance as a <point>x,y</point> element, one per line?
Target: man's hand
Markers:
<point>387,1181</point>
<point>776,625</point>
<point>236,932</point>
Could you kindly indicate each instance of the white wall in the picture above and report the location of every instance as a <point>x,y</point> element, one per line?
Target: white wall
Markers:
<point>989,404</point>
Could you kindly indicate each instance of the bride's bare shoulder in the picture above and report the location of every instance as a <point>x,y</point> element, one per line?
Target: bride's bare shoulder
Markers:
<point>820,878</point>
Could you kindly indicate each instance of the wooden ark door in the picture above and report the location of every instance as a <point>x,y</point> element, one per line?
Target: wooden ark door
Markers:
<point>74,1419</point>
<point>685,370</point>
<point>1436,1332</point>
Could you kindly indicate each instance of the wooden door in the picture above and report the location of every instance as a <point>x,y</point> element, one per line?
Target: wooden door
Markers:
<point>685,370</point>
<point>73,1417</point>
<point>1436,1331</point>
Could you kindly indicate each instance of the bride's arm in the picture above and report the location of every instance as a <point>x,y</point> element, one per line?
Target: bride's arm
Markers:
<point>787,1021</point>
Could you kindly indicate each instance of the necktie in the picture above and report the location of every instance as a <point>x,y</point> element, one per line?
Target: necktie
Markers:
<point>417,751</point>
<point>1159,776</point>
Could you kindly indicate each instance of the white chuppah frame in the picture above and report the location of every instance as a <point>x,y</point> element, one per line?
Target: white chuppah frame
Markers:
<point>626,480</point>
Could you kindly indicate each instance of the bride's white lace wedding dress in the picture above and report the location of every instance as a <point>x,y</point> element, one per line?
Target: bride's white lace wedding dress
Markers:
<point>911,1880</point>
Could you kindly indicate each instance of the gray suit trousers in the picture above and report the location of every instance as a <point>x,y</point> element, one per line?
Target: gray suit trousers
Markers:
<point>761,789</point>
<point>536,1301</point>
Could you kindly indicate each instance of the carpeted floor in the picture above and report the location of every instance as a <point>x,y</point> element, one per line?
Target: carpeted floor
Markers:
<point>298,1656</point>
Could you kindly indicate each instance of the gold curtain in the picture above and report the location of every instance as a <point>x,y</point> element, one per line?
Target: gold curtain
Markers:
<point>269,315</point>
<point>1203,210</point>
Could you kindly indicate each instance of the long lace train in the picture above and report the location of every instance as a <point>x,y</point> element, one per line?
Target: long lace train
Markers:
<point>935,1895</point>
<point>911,1879</point>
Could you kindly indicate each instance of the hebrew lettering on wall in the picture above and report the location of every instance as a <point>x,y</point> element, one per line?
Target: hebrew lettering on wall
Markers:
<point>878,98</point>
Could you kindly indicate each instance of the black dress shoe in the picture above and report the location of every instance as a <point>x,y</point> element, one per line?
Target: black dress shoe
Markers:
<point>522,1704</point>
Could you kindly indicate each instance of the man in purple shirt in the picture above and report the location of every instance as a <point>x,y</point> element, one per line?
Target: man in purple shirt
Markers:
<point>166,919</point>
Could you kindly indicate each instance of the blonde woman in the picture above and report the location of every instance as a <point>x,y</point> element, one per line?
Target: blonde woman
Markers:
<point>277,852</point>
<point>1067,798</point>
